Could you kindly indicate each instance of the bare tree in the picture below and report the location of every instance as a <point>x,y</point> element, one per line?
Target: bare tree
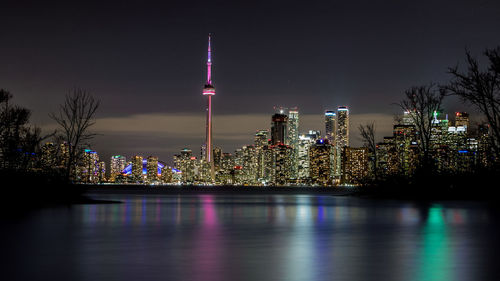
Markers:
<point>367,132</point>
<point>481,88</point>
<point>75,117</point>
<point>421,102</point>
<point>18,140</point>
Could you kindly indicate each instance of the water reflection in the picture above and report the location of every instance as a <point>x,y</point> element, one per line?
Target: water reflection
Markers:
<point>272,237</point>
<point>435,257</point>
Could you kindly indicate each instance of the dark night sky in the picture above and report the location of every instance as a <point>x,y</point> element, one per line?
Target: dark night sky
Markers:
<point>145,61</point>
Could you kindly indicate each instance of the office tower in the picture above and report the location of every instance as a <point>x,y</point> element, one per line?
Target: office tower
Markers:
<point>227,166</point>
<point>209,91</point>
<point>279,128</point>
<point>152,169</point>
<point>101,171</point>
<point>405,141</point>
<point>342,126</point>
<point>330,126</point>
<point>282,155</point>
<point>217,157</point>
<point>409,118</point>
<point>88,171</point>
<point>186,164</point>
<point>48,158</point>
<point>64,154</point>
<point>248,165</point>
<point>342,137</point>
<point>293,140</point>
<point>166,174</point>
<point>354,165</point>
<point>260,141</point>
<point>321,161</point>
<point>137,168</point>
<point>462,120</point>
<point>117,165</point>
<point>305,141</point>
<point>292,127</point>
<point>261,138</point>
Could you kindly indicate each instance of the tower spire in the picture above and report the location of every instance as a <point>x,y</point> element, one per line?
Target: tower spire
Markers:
<point>209,62</point>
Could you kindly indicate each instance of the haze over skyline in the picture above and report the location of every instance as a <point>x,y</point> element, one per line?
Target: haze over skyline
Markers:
<point>146,63</point>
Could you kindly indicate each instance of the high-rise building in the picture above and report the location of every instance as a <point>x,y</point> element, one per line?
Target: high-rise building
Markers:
<point>227,165</point>
<point>186,164</point>
<point>152,169</point>
<point>330,126</point>
<point>137,168</point>
<point>462,120</point>
<point>342,137</point>
<point>117,165</point>
<point>64,154</point>
<point>217,157</point>
<point>279,128</point>
<point>321,161</point>
<point>209,91</point>
<point>292,127</point>
<point>89,169</point>
<point>249,165</point>
<point>305,141</point>
<point>166,174</point>
<point>101,171</point>
<point>282,155</point>
<point>48,159</point>
<point>293,140</point>
<point>409,118</point>
<point>354,164</point>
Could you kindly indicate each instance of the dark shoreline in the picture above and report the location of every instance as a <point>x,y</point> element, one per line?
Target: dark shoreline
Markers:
<point>144,189</point>
<point>422,196</point>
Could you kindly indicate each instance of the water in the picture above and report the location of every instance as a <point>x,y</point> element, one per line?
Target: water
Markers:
<point>253,237</point>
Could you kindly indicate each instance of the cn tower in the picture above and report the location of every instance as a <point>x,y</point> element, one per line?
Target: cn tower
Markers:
<point>209,91</point>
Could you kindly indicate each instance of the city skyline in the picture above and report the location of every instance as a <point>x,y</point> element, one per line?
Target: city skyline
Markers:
<point>148,82</point>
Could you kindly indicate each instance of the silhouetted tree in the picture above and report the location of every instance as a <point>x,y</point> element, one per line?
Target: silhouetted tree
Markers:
<point>367,132</point>
<point>480,87</point>
<point>421,102</point>
<point>18,140</point>
<point>76,115</point>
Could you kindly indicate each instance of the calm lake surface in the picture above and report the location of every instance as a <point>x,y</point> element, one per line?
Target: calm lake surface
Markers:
<point>253,237</point>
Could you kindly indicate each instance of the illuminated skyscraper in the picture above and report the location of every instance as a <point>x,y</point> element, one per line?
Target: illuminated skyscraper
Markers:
<point>462,120</point>
<point>48,159</point>
<point>305,142</point>
<point>166,174</point>
<point>217,157</point>
<point>209,91</point>
<point>117,165</point>
<point>293,140</point>
<point>354,164</point>
<point>330,126</point>
<point>260,142</point>
<point>89,168</point>
<point>342,138</point>
<point>152,169</point>
<point>293,127</point>
<point>186,163</point>
<point>101,171</point>
<point>278,128</point>
<point>282,155</point>
<point>64,154</point>
<point>321,162</point>
<point>137,168</point>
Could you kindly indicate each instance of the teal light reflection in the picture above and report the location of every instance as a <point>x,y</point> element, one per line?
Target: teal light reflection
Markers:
<point>435,259</point>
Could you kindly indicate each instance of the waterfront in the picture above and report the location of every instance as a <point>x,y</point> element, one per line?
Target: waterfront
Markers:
<point>253,237</point>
